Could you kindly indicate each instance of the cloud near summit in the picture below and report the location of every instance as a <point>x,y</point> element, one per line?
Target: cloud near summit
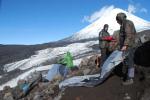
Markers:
<point>96,15</point>
<point>106,9</point>
<point>136,8</point>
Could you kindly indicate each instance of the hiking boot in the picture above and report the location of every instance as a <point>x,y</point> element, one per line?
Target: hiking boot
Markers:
<point>128,82</point>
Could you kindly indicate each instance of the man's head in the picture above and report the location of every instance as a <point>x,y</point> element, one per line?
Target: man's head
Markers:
<point>105,27</point>
<point>120,18</point>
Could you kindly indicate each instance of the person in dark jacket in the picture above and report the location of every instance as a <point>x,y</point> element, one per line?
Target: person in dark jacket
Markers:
<point>104,44</point>
<point>127,45</point>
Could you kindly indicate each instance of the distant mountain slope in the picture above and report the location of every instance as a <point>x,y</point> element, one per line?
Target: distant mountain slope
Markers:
<point>12,53</point>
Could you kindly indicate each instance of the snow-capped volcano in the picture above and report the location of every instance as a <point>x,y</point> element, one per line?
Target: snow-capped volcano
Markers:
<point>108,17</point>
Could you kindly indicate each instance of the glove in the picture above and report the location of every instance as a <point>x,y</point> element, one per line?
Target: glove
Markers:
<point>108,38</point>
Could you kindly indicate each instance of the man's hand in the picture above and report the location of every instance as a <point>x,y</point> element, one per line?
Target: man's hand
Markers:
<point>124,48</point>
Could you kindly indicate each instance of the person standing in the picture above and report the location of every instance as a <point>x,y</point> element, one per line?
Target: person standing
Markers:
<point>127,45</point>
<point>104,43</point>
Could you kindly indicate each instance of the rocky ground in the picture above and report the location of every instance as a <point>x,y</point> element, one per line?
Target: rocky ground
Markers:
<point>48,90</point>
<point>111,89</point>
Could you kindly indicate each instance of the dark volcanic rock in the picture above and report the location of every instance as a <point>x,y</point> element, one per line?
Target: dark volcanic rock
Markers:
<point>146,95</point>
<point>112,89</point>
<point>142,55</point>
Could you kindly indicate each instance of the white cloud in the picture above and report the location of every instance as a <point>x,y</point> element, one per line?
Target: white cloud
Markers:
<point>106,9</point>
<point>144,10</point>
<point>96,15</point>
<point>132,9</point>
<point>137,7</point>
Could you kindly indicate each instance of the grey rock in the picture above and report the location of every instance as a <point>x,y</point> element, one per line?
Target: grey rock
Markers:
<point>127,97</point>
<point>86,71</point>
<point>8,96</point>
<point>37,96</point>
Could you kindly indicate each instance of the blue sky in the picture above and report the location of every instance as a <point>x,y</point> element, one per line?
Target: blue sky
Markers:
<point>41,21</point>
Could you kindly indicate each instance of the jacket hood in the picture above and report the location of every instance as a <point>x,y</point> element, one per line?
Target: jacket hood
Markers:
<point>121,17</point>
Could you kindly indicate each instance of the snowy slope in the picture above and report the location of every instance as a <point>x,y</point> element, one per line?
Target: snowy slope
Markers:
<point>13,82</point>
<point>48,54</point>
<point>108,17</point>
<point>34,63</point>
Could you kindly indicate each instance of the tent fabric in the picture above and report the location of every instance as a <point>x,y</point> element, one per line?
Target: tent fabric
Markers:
<point>57,69</point>
<point>93,80</point>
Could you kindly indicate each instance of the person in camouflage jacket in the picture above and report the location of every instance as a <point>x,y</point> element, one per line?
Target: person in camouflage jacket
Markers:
<point>103,44</point>
<point>127,35</point>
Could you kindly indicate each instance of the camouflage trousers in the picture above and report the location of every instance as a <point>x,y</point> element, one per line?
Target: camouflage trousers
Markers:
<point>104,55</point>
<point>128,64</point>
